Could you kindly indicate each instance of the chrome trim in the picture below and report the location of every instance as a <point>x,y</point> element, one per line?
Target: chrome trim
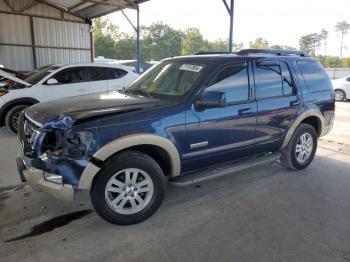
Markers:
<point>35,178</point>
<point>32,120</point>
<point>198,145</point>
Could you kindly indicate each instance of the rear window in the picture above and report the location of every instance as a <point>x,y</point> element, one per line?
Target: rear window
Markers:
<point>315,76</point>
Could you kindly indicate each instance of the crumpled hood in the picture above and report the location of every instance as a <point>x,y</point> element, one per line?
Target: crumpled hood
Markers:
<point>81,107</point>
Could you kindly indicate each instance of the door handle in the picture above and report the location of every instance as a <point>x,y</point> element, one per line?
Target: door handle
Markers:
<point>244,111</point>
<point>295,102</point>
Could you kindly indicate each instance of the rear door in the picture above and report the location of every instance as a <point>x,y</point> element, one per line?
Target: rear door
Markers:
<point>71,82</point>
<point>118,79</point>
<point>277,99</point>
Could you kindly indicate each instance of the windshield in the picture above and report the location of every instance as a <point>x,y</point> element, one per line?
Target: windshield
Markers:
<point>174,79</point>
<point>35,76</point>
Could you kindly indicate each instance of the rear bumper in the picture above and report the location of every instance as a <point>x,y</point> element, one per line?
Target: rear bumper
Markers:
<point>35,178</point>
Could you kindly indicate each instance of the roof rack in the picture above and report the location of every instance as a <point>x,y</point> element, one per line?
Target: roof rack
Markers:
<point>273,52</point>
<point>212,53</point>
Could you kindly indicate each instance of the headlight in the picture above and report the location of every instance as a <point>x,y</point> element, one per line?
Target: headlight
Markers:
<point>3,92</point>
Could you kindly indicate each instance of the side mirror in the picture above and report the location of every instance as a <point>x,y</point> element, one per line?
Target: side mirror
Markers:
<point>52,81</point>
<point>212,99</point>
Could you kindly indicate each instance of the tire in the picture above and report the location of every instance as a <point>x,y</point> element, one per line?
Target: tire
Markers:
<point>112,196</point>
<point>12,116</point>
<point>339,95</point>
<point>293,154</point>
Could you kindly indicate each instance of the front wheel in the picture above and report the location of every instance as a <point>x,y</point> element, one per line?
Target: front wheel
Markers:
<point>12,117</point>
<point>129,189</point>
<point>301,148</point>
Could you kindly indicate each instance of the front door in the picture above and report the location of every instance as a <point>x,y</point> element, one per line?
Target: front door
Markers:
<point>277,99</point>
<point>70,82</point>
<point>216,134</point>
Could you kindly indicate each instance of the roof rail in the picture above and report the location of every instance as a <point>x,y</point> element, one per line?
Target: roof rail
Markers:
<point>273,52</point>
<point>212,53</point>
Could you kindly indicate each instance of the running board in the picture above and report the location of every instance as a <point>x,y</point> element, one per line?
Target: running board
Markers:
<point>224,169</point>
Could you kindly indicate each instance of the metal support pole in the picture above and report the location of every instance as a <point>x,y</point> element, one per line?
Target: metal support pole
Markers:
<point>230,10</point>
<point>231,27</point>
<point>137,30</point>
<point>138,49</point>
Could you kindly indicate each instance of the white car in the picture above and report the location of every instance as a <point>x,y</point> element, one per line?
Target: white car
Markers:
<point>58,81</point>
<point>341,88</point>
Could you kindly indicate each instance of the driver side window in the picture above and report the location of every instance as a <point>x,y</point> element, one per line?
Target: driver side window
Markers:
<point>232,80</point>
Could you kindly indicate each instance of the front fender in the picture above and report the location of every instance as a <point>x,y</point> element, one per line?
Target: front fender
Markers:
<point>125,142</point>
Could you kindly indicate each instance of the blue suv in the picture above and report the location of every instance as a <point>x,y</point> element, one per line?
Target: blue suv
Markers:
<point>186,119</point>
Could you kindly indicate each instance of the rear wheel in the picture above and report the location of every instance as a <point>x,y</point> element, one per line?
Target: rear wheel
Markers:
<point>129,189</point>
<point>301,149</point>
<point>12,117</point>
<point>339,95</point>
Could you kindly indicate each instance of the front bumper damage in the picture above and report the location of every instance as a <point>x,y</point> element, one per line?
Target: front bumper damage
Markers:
<point>56,175</point>
<point>35,178</point>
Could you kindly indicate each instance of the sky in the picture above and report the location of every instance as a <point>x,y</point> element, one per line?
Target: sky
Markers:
<point>280,22</point>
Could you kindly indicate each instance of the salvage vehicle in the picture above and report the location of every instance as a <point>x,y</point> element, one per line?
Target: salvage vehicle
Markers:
<point>341,88</point>
<point>186,120</point>
<point>58,81</point>
<point>4,81</point>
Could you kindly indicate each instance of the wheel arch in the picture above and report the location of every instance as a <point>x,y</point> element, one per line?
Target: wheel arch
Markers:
<point>18,101</point>
<point>313,117</point>
<point>141,142</point>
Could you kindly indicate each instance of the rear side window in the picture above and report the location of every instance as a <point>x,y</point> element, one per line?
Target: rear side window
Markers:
<point>105,73</point>
<point>315,76</point>
<point>234,82</point>
<point>288,83</point>
<point>268,80</point>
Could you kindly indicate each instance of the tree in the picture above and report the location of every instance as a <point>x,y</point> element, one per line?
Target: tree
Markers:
<point>238,47</point>
<point>105,35</point>
<point>342,28</point>
<point>192,41</point>
<point>323,37</point>
<point>219,45</point>
<point>259,43</point>
<point>309,43</point>
<point>160,41</point>
<point>282,47</point>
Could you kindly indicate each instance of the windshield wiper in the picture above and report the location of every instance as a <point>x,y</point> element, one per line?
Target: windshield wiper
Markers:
<point>137,92</point>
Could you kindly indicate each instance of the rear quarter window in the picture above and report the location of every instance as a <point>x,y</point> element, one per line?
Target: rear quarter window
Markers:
<point>315,76</point>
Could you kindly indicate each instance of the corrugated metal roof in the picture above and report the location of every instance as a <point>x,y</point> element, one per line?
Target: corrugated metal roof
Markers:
<point>85,9</point>
<point>92,8</point>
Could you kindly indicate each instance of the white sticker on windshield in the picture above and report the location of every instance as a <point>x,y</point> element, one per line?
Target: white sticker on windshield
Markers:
<point>192,68</point>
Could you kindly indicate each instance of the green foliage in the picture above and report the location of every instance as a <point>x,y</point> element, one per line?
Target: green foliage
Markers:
<point>282,47</point>
<point>159,41</point>
<point>259,43</point>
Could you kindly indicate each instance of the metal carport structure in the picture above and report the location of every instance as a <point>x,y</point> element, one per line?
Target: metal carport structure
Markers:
<point>34,33</point>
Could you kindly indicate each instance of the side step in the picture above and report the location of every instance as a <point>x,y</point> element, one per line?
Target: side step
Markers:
<point>224,169</point>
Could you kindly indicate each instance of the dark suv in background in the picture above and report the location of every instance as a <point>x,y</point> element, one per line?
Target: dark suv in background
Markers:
<point>187,119</point>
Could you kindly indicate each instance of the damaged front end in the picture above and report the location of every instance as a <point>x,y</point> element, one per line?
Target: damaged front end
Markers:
<point>60,151</point>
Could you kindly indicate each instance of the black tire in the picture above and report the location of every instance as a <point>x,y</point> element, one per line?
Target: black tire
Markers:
<point>339,95</point>
<point>122,161</point>
<point>12,116</point>
<point>289,158</point>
